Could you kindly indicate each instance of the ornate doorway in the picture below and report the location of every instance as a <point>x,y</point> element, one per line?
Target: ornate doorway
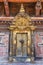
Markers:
<point>22,47</point>
<point>21,31</point>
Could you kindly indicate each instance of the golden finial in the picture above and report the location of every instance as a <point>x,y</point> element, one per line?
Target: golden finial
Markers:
<point>22,8</point>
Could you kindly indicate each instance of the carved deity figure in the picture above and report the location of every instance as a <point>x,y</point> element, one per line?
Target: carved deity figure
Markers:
<point>38,8</point>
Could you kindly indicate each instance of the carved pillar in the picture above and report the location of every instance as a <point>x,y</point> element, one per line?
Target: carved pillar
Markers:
<point>11,46</point>
<point>32,33</point>
<point>38,8</point>
<point>32,47</point>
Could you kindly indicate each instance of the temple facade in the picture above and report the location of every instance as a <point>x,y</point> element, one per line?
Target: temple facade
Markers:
<point>21,30</point>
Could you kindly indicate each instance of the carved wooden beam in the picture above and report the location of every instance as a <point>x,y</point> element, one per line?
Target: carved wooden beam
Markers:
<point>6,7</point>
<point>37,18</point>
<point>8,20</point>
<point>11,18</point>
<point>19,1</point>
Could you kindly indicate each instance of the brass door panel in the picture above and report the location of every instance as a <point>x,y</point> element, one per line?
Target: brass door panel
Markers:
<point>21,49</point>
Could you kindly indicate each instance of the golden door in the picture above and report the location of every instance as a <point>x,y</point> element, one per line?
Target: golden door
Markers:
<point>22,46</point>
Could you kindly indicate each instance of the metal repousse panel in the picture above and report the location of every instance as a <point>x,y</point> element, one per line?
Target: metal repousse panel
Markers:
<point>21,45</point>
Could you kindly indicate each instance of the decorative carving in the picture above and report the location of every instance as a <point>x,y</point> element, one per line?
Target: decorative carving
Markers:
<point>21,24</point>
<point>21,20</point>
<point>38,7</point>
<point>6,7</point>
